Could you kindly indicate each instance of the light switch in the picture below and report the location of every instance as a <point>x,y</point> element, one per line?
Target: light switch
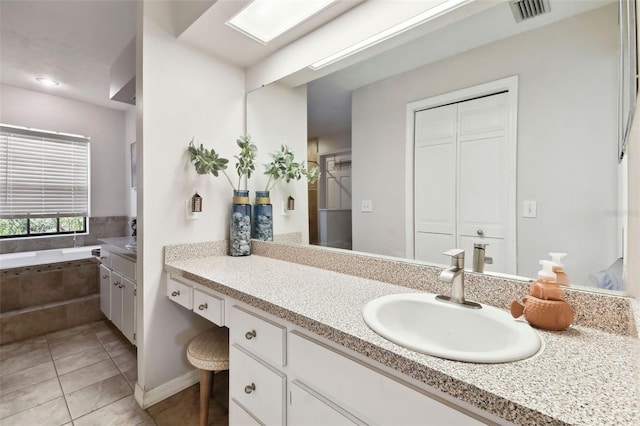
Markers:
<point>367,206</point>
<point>529,209</point>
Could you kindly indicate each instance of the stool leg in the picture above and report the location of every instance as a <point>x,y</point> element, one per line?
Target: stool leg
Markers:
<point>205,393</point>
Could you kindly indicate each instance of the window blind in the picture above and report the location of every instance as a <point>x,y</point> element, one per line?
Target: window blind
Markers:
<point>43,174</point>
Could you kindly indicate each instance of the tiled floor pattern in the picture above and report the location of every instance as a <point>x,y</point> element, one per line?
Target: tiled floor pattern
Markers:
<point>85,376</point>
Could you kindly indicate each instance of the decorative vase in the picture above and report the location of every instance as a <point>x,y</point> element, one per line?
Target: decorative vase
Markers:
<point>263,217</point>
<point>240,235</point>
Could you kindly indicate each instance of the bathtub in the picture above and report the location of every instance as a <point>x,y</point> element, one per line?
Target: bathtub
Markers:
<point>42,257</point>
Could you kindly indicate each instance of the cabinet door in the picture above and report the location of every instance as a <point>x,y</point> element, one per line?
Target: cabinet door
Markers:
<point>116,299</point>
<point>307,407</point>
<point>105,291</point>
<point>129,310</point>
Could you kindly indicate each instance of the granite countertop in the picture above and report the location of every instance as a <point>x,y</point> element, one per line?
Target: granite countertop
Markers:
<point>124,246</point>
<point>583,376</point>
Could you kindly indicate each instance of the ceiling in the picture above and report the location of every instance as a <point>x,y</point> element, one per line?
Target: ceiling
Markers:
<point>73,42</point>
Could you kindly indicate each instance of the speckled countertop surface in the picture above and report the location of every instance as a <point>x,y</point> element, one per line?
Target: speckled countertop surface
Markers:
<point>584,376</point>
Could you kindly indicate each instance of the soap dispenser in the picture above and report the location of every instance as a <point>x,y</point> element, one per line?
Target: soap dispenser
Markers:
<point>545,307</point>
<point>545,286</point>
<point>558,268</point>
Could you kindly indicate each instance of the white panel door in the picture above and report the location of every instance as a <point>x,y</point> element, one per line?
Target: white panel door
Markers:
<point>307,408</point>
<point>105,291</point>
<point>116,299</point>
<point>337,183</point>
<point>482,167</point>
<point>435,181</point>
<point>464,191</point>
<point>129,310</point>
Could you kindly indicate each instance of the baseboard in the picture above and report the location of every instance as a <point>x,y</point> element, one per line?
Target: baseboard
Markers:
<point>152,396</point>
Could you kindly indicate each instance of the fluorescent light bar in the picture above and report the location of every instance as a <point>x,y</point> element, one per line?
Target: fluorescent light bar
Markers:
<point>410,23</point>
<point>265,20</point>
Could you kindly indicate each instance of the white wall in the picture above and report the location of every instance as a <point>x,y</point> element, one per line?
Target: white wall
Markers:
<point>105,127</point>
<point>277,115</point>
<point>566,140</point>
<point>181,94</point>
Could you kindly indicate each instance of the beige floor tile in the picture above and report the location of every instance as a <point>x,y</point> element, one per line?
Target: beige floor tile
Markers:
<point>132,377</point>
<point>63,336</point>
<point>100,326</point>
<point>27,377</point>
<point>81,359</point>
<point>97,395</point>
<point>126,361</point>
<point>23,361</point>
<point>109,335</point>
<point>25,346</point>
<point>89,375</point>
<point>184,409</point>
<point>123,412</point>
<point>52,413</point>
<point>118,347</point>
<point>74,345</point>
<point>29,397</point>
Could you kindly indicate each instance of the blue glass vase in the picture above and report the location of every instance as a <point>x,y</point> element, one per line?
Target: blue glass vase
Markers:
<point>263,217</point>
<point>240,232</point>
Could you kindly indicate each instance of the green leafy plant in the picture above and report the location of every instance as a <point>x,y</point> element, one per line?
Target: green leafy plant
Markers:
<point>284,166</point>
<point>208,161</point>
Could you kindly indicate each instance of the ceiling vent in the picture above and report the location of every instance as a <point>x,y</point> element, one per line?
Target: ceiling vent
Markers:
<point>527,9</point>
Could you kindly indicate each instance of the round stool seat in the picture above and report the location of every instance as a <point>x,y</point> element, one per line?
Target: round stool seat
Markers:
<point>210,350</point>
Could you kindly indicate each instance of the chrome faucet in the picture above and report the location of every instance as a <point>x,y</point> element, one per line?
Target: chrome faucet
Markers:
<point>455,275</point>
<point>479,258</point>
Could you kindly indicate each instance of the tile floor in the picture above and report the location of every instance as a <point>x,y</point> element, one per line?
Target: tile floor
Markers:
<point>85,376</point>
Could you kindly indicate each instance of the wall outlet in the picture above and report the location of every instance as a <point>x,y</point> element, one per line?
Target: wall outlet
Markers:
<point>529,209</point>
<point>367,206</point>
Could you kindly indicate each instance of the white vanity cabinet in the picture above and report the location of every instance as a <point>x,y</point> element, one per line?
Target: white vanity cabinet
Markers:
<point>280,374</point>
<point>118,292</point>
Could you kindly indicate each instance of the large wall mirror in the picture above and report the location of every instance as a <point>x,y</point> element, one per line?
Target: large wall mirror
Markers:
<point>568,68</point>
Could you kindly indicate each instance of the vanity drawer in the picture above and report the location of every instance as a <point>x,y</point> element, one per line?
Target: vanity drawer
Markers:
<point>365,391</point>
<point>257,387</point>
<point>180,293</point>
<point>259,335</point>
<point>209,307</point>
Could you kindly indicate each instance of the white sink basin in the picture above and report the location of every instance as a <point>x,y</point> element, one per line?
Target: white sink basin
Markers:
<point>421,323</point>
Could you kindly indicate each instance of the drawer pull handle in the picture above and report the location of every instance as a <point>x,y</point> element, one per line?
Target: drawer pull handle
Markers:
<point>176,293</point>
<point>105,277</point>
<point>120,286</point>
<point>116,283</point>
<point>103,257</point>
<point>203,307</point>
<point>250,388</point>
<point>250,334</point>
<point>480,232</point>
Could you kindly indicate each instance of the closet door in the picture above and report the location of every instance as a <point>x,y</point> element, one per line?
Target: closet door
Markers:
<point>435,183</point>
<point>483,179</point>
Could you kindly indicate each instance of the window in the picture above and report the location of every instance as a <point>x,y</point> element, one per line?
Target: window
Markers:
<point>44,188</point>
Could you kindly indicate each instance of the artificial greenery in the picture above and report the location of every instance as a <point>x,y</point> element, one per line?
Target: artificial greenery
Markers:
<point>284,166</point>
<point>208,161</point>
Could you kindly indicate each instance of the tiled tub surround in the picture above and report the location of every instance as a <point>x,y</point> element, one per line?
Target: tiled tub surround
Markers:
<point>584,375</point>
<point>35,300</point>
<point>99,227</point>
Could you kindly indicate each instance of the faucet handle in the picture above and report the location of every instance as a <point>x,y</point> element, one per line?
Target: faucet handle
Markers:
<point>457,257</point>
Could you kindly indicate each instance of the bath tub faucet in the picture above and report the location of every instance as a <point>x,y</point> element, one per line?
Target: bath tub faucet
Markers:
<point>455,275</point>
